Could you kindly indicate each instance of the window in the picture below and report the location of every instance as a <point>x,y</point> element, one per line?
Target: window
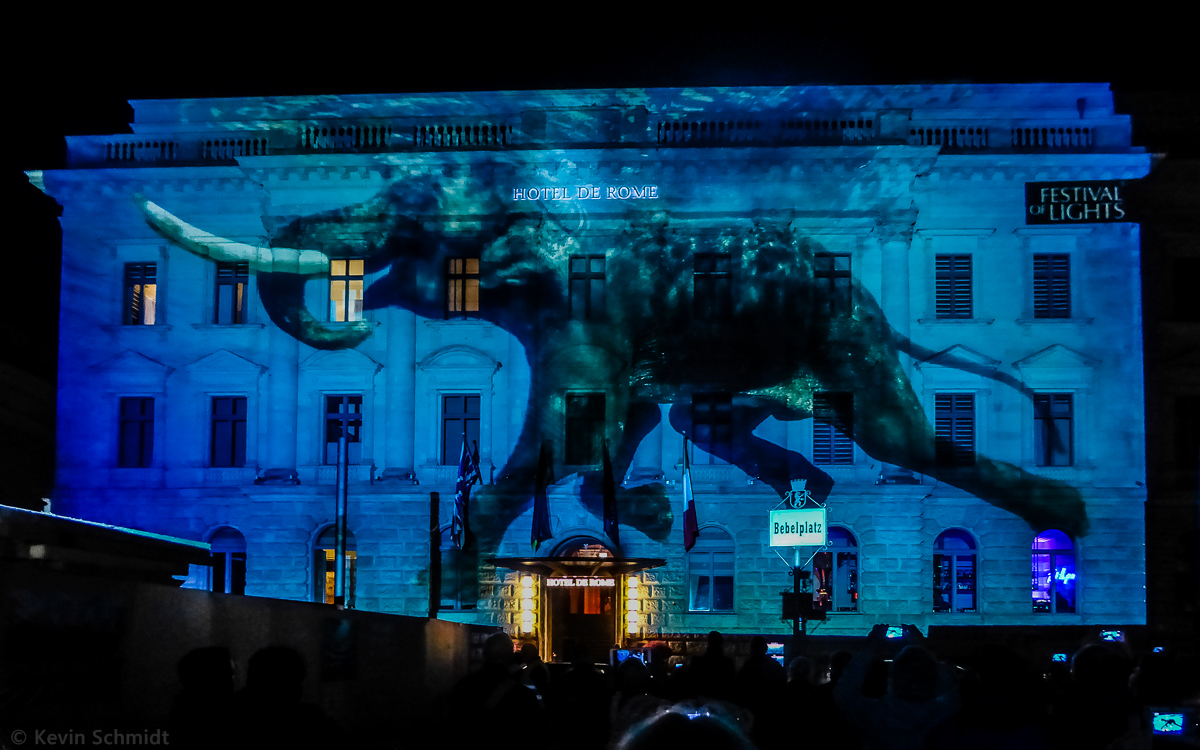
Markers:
<point>460,584</point>
<point>229,431</point>
<point>462,287</point>
<point>954,572</point>
<point>710,572</point>
<point>343,415</point>
<point>587,287</point>
<point>1052,429</point>
<point>585,428</point>
<point>835,574</point>
<point>141,293</point>
<point>953,286</point>
<point>831,272</point>
<point>712,426</point>
<point>228,562</point>
<point>232,280</point>
<point>324,559</point>
<point>833,428</point>
<point>1052,286</point>
<point>346,290</point>
<point>712,290</point>
<point>954,429</point>
<point>1054,577</point>
<point>136,449</point>
<point>460,420</point>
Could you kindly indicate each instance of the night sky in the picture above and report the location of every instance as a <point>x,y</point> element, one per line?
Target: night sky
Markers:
<point>69,74</point>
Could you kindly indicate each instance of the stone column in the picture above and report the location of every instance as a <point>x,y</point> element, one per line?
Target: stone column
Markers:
<point>283,431</point>
<point>400,383</point>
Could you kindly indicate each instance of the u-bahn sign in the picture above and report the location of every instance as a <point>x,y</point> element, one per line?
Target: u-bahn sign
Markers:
<point>798,527</point>
<point>1080,202</point>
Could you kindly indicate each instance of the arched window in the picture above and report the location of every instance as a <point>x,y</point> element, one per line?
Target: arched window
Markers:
<point>835,573</point>
<point>954,572</point>
<point>228,562</point>
<point>710,572</point>
<point>460,580</point>
<point>324,553</point>
<point>1054,579</point>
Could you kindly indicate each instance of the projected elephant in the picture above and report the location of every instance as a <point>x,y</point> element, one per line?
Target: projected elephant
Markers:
<point>669,333</point>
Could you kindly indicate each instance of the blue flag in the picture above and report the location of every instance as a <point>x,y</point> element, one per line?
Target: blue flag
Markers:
<point>468,474</point>
<point>541,503</point>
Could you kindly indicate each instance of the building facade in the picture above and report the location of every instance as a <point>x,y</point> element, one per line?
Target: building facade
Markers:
<point>862,296</point>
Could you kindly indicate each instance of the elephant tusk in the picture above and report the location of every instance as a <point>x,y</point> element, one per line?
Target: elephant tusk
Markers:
<point>207,245</point>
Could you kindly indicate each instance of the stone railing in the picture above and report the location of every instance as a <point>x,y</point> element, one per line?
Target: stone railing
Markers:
<point>477,135</point>
<point>955,136</point>
<point>1051,138</point>
<point>220,149</point>
<point>345,136</point>
<point>141,150</point>
<point>827,129</point>
<point>682,132</point>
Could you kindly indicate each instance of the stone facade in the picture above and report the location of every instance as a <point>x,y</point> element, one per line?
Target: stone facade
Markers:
<point>890,178</point>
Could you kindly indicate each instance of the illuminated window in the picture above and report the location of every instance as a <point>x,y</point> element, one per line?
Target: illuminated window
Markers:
<point>835,573</point>
<point>585,428</point>
<point>587,287</point>
<point>141,294</point>
<point>228,562</point>
<point>833,428</point>
<point>462,287</point>
<point>953,286</point>
<point>831,272</point>
<point>1052,429</point>
<point>228,431</point>
<point>954,572</point>
<point>460,582</point>
<point>136,442</point>
<point>460,420</point>
<point>1052,286</point>
<point>712,427</point>
<point>232,282</point>
<point>710,572</point>
<point>343,415</point>
<point>1055,580</point>
<point>712,290</point>
<point>346,290</point>
<point>325,566</point>
<point>954,429</point>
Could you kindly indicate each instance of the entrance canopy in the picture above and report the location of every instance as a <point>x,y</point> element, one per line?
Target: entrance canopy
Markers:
<point>578,566</point>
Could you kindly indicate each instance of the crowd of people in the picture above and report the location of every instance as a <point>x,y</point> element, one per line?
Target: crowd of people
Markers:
<point>895,694</point>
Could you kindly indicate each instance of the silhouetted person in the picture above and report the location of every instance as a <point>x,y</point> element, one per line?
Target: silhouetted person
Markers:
<point>712,674</point>
<point>534,671</point>
<point>920,695</point>
<point>485,704</point>
<point>761,686</point>
<point>1095,708</point>
<point>270,712</point>
<point>632,702</point>
<point>828,727</point>
<point>201,716</point>
<point>1002,707</point>
<point>686,727</point>
<point>583,699</point>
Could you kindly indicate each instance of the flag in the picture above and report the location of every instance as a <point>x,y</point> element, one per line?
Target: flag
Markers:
<point>691,528</point>
<point>611,525</point>
<point>468,474</point>
<point>541,503</point>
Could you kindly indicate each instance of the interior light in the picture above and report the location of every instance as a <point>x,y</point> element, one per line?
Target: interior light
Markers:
<point>632,605</point>
<point>527,582</point>
<point>632,593</point>
<point>527,604</point>
<point>632,583</point>
<point>527,627</point>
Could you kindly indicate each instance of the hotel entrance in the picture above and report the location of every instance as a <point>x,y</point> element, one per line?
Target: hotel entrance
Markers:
<point>582,585</point>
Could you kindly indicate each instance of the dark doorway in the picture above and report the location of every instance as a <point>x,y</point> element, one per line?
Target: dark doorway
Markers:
<point>584,614</point>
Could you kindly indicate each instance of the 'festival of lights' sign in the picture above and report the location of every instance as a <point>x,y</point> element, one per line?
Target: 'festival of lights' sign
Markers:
<point>1086,202</point>
<point>586,193</point>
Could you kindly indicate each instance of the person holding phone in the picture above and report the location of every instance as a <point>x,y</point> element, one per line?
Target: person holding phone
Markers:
<point>920,693</point>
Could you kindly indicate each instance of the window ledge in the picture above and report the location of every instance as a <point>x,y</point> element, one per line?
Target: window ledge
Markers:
<point>1054,321</point>
<point>339,325</point>
<point>227,326</point>
<point>956,321</point>
<point>162,327</point>
<point>454,321</point>
<point>707,613</point>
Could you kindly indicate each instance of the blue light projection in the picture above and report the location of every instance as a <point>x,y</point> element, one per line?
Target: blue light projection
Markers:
<point>672,326</point>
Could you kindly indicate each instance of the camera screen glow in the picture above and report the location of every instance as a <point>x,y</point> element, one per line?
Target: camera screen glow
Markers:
<point>1165,723</point>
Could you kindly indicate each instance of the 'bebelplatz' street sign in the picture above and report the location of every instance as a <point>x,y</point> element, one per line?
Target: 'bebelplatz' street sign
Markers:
<point>798,528</point>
